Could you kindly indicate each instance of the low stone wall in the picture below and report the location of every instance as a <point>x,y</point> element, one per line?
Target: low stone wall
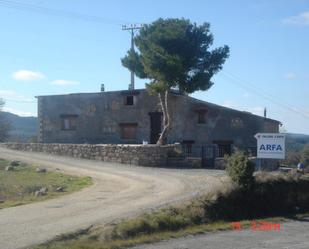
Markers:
<point>144,155</point>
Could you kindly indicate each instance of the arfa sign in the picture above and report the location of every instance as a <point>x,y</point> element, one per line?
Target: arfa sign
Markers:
<point>270,145</point>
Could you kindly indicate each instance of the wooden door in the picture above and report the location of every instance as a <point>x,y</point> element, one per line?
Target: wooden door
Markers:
<point>155,126</point>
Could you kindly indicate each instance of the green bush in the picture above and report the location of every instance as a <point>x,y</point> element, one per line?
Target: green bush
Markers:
<point>240,169</point>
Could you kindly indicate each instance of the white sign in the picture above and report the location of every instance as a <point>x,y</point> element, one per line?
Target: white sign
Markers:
<point>270,145</point>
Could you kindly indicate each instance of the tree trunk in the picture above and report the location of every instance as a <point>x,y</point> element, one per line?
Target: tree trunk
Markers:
<point>166,117</point>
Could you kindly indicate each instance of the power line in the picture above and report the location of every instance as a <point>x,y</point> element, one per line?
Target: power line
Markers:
<point>60,13</point>
<point>89,18</point>
<point>259,89</point>
<point>251,88</point>
<point>264,93</point>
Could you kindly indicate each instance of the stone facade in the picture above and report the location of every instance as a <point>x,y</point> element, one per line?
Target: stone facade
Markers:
<point>131,117</point>
<point>144,155</point>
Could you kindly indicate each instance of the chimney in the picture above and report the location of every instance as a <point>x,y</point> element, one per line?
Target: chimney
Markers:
<point>102,88</point>
<point>265,112</point>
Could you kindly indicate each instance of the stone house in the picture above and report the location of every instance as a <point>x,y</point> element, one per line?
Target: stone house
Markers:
<point>134,116</point>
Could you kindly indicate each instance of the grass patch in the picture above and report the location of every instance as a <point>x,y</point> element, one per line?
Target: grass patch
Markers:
<point>96,239</point>
<point>18,186</point>
<point>280,196</point>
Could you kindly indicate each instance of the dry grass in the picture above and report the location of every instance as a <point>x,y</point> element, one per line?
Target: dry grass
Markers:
<point>210,213</point>
<point>17,187</point>
<point>96,238</point>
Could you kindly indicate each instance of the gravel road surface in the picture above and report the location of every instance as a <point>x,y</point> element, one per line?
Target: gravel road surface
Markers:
<point>292,235</point>
<point>118,191</point>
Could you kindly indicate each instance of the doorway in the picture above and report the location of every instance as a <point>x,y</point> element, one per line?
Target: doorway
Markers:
<point>155,126</point>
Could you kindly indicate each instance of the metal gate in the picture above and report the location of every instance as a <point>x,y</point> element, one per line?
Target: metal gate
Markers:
<point>207,153</point>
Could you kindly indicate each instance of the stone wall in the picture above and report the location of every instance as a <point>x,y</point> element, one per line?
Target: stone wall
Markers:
<point>144,155</point>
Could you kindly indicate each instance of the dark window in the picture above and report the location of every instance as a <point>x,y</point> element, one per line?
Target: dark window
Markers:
<point>68,122</point>
<point>128,130</point>
<point>201,117</point>
<point>129,100</point>
<point>224,147</point>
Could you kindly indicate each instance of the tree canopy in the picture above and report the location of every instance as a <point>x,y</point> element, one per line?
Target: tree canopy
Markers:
<point>175,54</point>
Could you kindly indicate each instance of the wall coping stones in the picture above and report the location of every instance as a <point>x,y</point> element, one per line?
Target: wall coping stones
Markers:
<point>135,154</point>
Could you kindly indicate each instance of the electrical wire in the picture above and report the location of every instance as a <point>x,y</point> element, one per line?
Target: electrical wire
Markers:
<point>89,18</point>
<point>250,84</point>
<point>60,13</point>
<point>249,88</point>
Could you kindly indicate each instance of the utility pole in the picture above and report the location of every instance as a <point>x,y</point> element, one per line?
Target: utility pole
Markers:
<point>132,28</point>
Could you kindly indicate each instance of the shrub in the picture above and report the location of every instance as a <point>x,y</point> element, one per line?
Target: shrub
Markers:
<point>272,194</point>
<point>292,158</point>
<point>240,169</point>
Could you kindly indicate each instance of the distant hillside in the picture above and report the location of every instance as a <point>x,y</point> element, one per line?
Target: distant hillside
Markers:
<point>295,142</point>
<point>22,128</point>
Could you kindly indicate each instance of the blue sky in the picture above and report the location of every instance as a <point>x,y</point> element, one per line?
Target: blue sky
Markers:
<point>47,52</point>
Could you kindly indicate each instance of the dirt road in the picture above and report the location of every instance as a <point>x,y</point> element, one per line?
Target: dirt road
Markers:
<point>118,191</point>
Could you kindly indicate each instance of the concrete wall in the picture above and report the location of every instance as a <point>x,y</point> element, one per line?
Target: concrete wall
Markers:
<point>100,116</point>
<point>144,155</point>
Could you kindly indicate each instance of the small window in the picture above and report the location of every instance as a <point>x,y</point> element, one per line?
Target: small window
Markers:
<point>201,117</point>
<point>68,122</point>
<point>129,100</point>
<point>128,130</point>
<point>237,123</point>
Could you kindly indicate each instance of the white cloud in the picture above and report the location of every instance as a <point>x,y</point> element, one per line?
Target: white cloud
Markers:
<point>14,96</point>
<point>18,112</point>
<point>27,75</point>
<point>301,19</point>
<point>290,76</point>
<point>64,82</point>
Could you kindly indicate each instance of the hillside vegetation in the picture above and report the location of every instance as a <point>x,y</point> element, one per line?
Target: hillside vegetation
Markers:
<point>272,195</point>
<point>22,129</point>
